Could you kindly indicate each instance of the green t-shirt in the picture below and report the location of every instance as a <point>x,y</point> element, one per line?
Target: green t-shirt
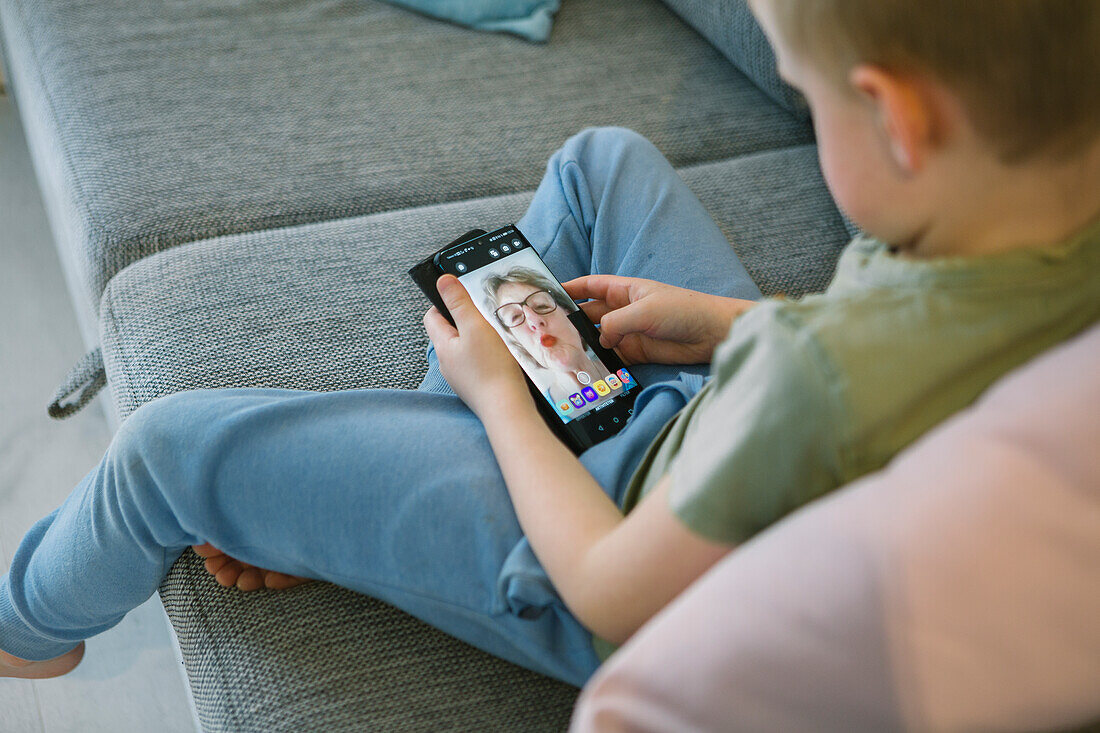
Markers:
<point>808,395</point>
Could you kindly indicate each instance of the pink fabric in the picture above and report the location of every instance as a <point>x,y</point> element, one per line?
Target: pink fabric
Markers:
<point>957,589</point>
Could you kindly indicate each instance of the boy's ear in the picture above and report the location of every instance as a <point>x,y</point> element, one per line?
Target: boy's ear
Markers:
<point>906,113</point>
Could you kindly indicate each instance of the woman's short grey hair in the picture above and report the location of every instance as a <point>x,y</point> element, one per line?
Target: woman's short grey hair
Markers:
<point>527,276</point>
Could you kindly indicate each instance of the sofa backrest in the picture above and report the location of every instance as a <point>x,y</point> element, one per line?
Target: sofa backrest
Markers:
<point>731,27</point>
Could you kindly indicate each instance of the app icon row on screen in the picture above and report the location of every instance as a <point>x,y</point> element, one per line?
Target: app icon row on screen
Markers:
<point>594,391</point>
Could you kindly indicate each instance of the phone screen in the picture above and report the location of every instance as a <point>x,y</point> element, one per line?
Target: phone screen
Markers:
<point>549,335</point>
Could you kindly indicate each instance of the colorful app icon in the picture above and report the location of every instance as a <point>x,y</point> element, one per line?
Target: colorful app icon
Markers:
<point>601,387</point>
<point>576,399</point>
<point>564,407</point>
<point>625,376</point>
<point>590,394</point>
<point>613,381</point>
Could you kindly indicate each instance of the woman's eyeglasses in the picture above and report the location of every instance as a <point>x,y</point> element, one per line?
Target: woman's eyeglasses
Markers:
<point>511,315</point>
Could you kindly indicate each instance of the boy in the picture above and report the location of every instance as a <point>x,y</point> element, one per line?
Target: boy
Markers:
<point>993,246</point>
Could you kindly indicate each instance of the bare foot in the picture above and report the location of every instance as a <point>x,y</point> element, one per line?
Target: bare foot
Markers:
<point>230,572</point>
<point>15,667</point>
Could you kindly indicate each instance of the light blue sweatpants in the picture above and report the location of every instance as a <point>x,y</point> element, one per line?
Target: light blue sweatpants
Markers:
<point>392,493</point>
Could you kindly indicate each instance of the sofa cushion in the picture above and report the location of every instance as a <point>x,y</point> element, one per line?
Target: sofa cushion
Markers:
<point>954,590</point>
<point>329,306</point>
<point>156,124</point>
<point>730,25</point>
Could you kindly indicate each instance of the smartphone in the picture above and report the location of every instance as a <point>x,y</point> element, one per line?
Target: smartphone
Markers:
<point>582,389</point>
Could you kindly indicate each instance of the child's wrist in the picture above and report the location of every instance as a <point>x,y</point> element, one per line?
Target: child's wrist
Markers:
<point>505,404</point>
<point>512,423</point>
<point>732,309</point>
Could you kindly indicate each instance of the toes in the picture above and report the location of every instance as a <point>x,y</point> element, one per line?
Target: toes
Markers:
<point>41,670</point>
<point>216,563</point>
<point>250,579</point>
<point>282,581</point>
<point>207,550</point>
<point>229,572</point>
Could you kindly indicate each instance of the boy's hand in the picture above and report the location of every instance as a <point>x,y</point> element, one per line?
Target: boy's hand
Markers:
<point>649,322</point>
<point>473,357</point>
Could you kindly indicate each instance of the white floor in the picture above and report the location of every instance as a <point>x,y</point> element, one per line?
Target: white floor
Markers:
<point>130,679</point>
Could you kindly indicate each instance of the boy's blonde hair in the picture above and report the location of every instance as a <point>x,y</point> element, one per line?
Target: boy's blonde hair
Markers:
<point>1027,71</point>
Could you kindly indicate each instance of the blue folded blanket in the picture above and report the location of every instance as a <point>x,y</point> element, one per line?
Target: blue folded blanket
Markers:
<point>530,19</point>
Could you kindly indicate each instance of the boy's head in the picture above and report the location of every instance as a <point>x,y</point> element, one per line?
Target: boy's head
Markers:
<point>909,97</point>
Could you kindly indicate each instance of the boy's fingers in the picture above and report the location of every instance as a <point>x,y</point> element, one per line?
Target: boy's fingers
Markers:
<point>595,310</point>
<point>578,287</point>
<point>595,286</point>
<point>439,328</point>
<point>623,321</point>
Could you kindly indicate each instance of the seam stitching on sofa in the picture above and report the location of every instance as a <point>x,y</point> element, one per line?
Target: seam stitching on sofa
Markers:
<point>81,195</point>
<point>109,321</point>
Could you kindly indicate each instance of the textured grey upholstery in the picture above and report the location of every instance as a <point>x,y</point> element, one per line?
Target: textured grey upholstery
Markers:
<point>328,306</point>
<point>156,124</point>
<point>322,658</point>
<point>730,26</point>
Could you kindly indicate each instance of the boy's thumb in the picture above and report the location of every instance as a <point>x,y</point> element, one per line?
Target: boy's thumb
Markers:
<point>454,296</point>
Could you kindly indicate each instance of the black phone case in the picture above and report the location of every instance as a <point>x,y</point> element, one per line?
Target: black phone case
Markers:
<point>425,274</point>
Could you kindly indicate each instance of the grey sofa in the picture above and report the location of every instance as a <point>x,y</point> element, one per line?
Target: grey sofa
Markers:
<point>236,191</point>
